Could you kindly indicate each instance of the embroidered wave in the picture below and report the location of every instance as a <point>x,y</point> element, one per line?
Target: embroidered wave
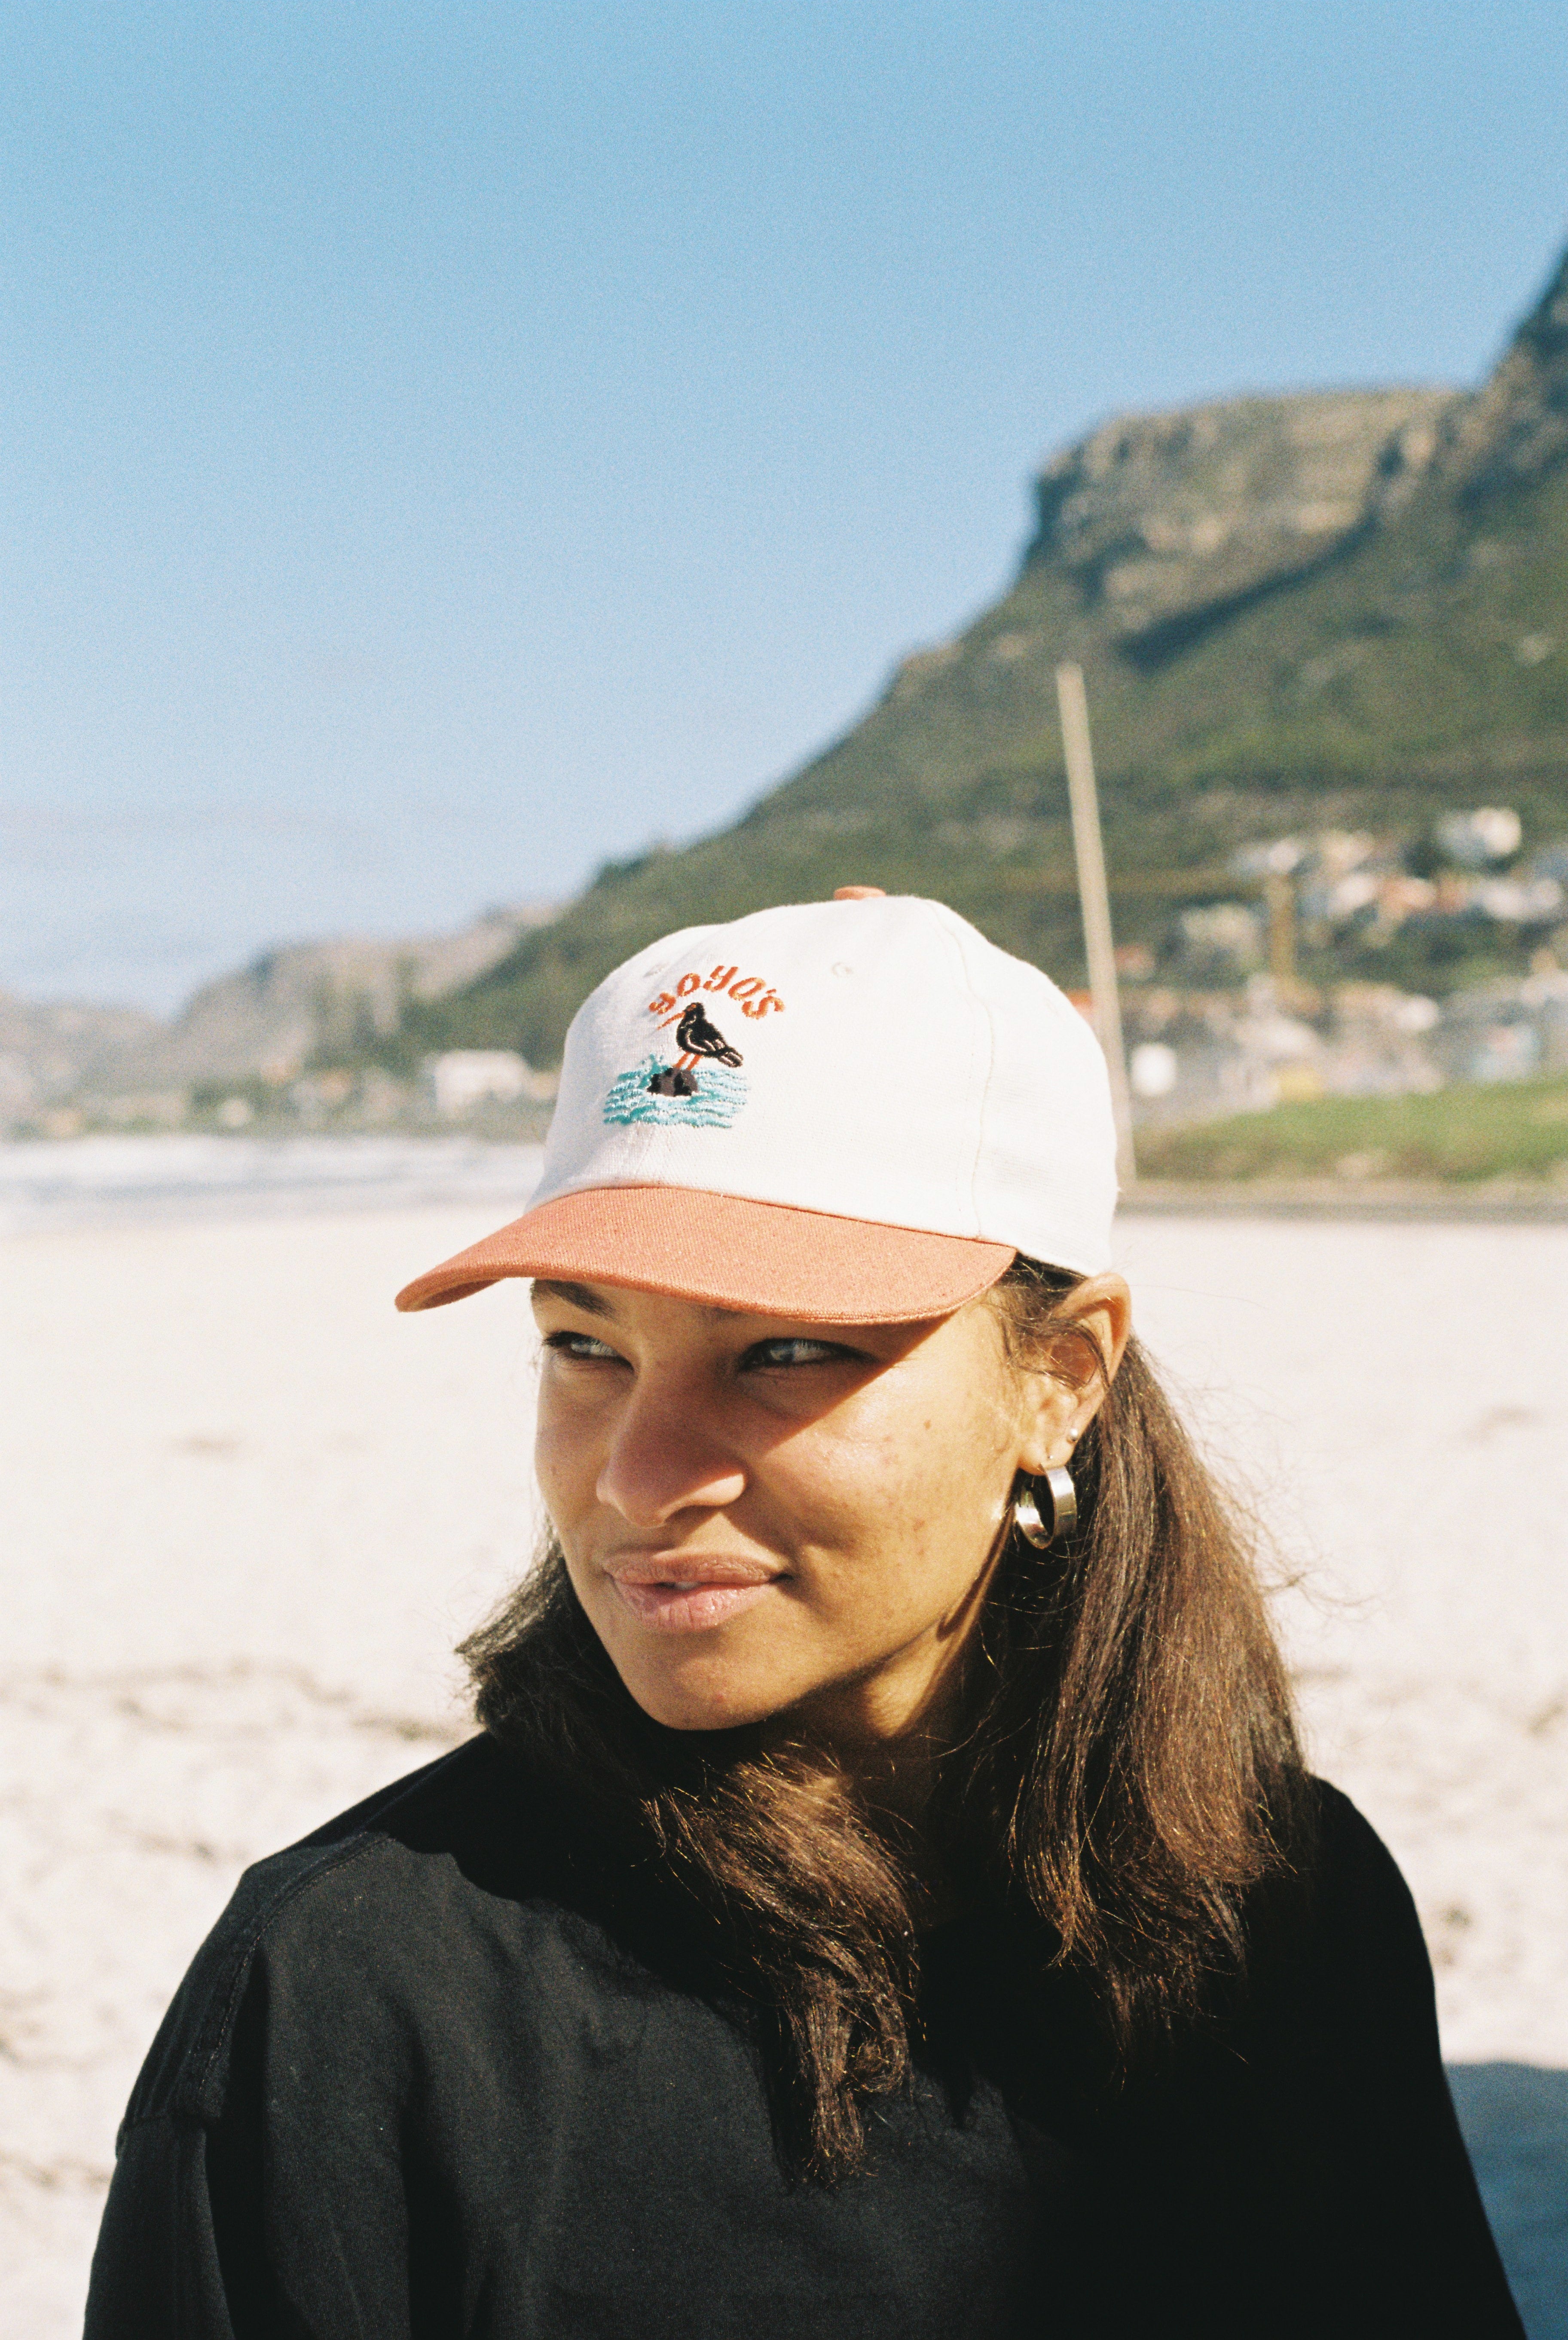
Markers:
<point>719,1096</point>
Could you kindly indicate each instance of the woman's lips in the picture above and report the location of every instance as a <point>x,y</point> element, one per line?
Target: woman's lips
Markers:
<point>676,1597</point>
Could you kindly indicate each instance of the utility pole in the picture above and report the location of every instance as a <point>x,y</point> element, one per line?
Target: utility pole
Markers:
<point>1088,849</point>
<point>1280,893</point>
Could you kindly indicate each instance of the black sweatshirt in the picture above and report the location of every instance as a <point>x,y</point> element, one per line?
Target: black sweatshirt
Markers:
<point>421,2081</point>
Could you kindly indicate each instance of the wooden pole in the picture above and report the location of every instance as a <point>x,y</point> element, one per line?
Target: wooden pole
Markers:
<point>1279,892</point>
<point>1089,848</point>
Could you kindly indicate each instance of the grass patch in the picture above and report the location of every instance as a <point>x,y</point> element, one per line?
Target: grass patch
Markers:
<point>1515,1129</point>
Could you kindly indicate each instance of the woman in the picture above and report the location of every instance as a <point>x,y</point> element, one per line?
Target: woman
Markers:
<point>885,1897</point>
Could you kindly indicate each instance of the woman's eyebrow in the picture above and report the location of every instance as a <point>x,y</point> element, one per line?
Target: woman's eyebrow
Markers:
<point>574,1296</point>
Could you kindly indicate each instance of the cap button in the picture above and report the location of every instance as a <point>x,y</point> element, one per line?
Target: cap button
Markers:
<point>860,893</point>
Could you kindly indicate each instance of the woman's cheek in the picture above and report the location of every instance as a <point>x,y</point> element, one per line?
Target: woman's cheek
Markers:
<point>563,1464</point>
<point>852,1479</point>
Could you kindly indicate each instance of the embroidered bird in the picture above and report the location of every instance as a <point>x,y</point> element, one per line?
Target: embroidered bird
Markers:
<point>698,1039</point>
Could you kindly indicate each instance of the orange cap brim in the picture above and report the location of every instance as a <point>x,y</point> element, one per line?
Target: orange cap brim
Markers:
<point>764,1259</point>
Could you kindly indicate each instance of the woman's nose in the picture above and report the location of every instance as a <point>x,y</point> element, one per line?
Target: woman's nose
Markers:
<point>664,1458</point>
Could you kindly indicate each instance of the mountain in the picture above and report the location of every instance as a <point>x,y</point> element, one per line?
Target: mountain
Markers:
<point>294,1007</point>
<point>1336,609</point>
<point>308,1002</point>
<point>49,1051</point>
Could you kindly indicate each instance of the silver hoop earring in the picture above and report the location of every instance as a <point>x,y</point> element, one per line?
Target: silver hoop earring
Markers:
<point>1063,1496</point>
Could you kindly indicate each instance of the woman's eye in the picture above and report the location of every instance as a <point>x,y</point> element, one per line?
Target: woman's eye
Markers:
<point>793,1351</point>
<point>581,1345</point>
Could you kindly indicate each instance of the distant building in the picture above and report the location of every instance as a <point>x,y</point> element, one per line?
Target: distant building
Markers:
<point>1225,938</point>
<point>1480,840</point>
<point>465,1077</point>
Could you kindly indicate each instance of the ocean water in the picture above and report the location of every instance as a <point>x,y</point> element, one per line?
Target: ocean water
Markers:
<point>108,1181</point>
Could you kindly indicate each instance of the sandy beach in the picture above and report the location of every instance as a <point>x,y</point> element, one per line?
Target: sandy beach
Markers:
<point>248,1510</point>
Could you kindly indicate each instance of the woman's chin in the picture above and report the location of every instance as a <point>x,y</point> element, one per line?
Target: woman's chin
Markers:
<point>698,1700</point>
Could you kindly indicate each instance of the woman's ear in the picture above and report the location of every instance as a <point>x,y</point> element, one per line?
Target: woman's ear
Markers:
<point>1065,1389</point>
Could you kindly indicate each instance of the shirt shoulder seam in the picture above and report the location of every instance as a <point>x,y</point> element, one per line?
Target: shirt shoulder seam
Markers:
<point>250,1942</point>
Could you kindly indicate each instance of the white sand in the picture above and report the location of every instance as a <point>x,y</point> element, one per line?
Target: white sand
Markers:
<point>248,1510</point>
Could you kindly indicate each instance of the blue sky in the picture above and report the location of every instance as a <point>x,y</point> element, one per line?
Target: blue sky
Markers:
<point>447,447</point>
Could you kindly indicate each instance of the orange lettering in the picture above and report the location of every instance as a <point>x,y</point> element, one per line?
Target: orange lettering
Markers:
<point>687,983</point>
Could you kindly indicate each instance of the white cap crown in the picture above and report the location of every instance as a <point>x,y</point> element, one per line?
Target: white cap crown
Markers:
<point>871,1059</point>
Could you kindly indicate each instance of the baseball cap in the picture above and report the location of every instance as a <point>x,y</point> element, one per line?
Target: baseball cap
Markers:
<point>854,1111</point>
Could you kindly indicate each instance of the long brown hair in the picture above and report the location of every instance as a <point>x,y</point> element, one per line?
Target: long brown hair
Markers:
<point>1128,1770</point>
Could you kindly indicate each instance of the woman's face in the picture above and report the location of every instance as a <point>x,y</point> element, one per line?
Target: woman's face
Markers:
<point>762,1518</point>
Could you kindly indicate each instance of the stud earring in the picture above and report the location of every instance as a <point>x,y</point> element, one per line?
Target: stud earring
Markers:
<point>1026,1514</point>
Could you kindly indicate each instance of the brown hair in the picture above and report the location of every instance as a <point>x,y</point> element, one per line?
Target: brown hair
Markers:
<point>1129,1771</point>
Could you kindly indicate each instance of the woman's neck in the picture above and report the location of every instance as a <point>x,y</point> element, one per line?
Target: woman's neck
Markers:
<point>890,1754</point>
<point>895,1776</point>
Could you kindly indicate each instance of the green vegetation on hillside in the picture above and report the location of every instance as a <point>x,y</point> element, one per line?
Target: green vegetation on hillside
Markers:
<point>1514,1130</point>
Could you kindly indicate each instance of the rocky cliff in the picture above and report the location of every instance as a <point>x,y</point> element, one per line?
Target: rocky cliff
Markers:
<point>1153,516</point>
<point>1514,429</point>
